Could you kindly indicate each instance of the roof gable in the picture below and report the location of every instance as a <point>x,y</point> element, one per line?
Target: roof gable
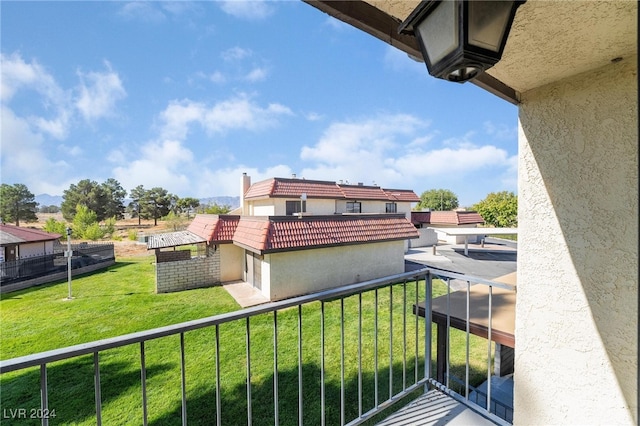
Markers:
<point>218,228</point>
<point>204,228</point>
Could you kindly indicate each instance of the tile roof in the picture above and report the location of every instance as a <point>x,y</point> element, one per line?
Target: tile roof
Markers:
<point>294,188</point>
<point>10,234</point>
<point>447,218</point>
<point>218,228</point>
<point>402,195</point>
<point>205,228</point>
<point>286,233</point>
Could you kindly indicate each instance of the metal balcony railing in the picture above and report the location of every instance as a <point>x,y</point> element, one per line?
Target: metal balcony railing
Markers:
<point>385,333</point>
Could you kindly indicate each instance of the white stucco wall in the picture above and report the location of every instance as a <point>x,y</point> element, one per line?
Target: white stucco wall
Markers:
<point>577,305</point>
<point>295,273</point>
<point>453,239</point>
<point>428,237</point>
<point>261,208</point>
<point>231,262</point>
<point>35,249</point>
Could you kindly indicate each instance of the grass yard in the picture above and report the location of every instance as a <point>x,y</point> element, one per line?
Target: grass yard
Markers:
<point>121,300</point>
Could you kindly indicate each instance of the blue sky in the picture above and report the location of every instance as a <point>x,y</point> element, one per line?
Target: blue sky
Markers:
<point>188,96</point>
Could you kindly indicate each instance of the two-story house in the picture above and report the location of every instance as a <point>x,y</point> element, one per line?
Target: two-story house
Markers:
<point>295,236</point>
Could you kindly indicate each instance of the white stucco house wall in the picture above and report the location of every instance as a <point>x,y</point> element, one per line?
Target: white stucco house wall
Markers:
<point>571,68</point>
<point>22,243</point>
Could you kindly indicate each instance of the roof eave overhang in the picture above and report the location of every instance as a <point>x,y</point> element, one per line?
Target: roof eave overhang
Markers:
<point>321,246</point>
<point>385,27</point>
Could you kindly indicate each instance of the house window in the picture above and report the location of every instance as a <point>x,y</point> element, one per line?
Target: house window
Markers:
<point>294,207</point>
<point>391,208</point>
<point>354,207</point>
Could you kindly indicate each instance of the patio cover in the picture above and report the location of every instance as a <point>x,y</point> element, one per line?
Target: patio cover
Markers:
<point>173,239</point>
<point>468,232</point>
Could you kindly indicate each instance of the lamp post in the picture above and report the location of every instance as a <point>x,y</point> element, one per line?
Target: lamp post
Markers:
<point>460,39</point>
<point>68,255</point>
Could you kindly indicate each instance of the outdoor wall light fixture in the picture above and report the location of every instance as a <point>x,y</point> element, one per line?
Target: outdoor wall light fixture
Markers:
<point>460,39</point>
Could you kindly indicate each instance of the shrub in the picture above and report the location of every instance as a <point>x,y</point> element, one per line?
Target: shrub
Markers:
<point>55,227</point>
<point>109,227</point>
<point>93,232</point>
<point>133,235</point>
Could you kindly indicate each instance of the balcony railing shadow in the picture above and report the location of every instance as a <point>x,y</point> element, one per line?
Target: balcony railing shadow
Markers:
<point>343,356</point>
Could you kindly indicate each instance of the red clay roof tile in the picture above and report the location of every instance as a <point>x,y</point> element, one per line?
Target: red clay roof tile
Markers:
<point>214,228</point>
<point>446,218</point>
<point>285,233</point>
<point>294,188</point>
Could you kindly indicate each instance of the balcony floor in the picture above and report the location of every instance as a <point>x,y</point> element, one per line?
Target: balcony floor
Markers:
<point>435,408</point>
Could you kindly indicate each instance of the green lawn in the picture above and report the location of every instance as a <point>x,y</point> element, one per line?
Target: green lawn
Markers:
<point>121,300</point>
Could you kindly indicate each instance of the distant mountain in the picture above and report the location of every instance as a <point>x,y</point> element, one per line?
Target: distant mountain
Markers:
<point>233,202</point>
<point>48,200</point>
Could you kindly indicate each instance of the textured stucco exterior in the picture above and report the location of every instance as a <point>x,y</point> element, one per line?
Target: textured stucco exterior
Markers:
<point>295,273</point>
<point>231,262</point>
<point>40,248</point>
<point>577,306</point>
<point>428,237</point>
<point>456,239</point>
<point>318,207</point>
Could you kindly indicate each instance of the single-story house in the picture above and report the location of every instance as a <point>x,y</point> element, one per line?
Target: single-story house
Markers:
<point>448,219</point>
<point>22,243</point>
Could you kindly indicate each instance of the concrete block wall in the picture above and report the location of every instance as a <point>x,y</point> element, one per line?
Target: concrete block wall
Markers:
<point>172,256</point>
<point>182,275</point>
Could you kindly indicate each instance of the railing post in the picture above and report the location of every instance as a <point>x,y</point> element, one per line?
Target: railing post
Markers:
<point>44,394</point>
<point>428,284</point>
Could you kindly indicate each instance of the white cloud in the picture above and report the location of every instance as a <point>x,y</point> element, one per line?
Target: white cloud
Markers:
<point>18,74</point>
<point>71,151</point>
<point>256,74</point>
<point>250,10</point>
<point>178,116</point>
<point>462,160</point>
<point>235,54</point>
<point>227,181</point>
<point>24,155</point>
<point>342,142</point>
<point>357,151</point>
<point>98,93</point>
<point>235,113</point>
<point>400,151</point>
<point>217,77</point>
<point>142,11</point>
<point>159,164</point>
<point>313,116</point>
